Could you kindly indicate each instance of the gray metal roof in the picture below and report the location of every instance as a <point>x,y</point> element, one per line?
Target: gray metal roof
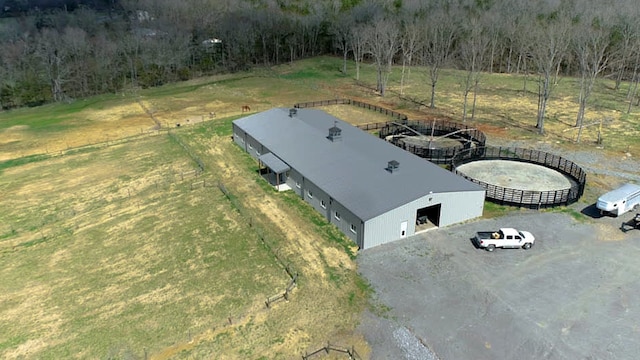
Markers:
<point>272,162</point>
<point>352,169</point>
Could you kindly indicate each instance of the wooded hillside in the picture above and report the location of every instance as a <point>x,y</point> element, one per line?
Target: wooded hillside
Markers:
<point>69,50</point>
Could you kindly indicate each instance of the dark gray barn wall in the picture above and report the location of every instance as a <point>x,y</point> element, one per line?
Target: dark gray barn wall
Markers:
<point>310,189</point>
<point>238,137</point>
<point>295,181</point>
<point>331,206</point>
<point>248,143</point>
<point>254,148</point>
<point>347,218</point>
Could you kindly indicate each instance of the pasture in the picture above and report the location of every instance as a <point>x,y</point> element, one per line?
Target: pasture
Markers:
<point>112,247</point>
<point>114,252</point>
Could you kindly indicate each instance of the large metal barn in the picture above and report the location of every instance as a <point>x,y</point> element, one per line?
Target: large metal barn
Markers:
<point>373,191</point>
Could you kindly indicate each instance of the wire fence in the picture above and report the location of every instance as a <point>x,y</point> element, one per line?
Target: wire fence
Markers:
<point>191,154</point>
<point>525,198</point>
<point>268,243</point>
<point>350,352</point>
<point>392,113</point>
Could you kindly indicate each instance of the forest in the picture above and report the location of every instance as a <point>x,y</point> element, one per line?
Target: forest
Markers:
<point>58,51</point>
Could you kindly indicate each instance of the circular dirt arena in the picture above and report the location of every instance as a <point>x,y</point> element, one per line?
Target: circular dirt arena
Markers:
<point>522,177</point>
<point>516,175</point>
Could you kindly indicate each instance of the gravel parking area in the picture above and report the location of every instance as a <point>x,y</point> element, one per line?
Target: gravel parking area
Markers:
<point>574,295</point>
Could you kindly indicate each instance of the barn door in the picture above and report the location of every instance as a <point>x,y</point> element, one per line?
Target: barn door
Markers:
<point>403,229</point>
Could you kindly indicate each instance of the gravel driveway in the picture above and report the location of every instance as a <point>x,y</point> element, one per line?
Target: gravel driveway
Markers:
<point>574,295</point>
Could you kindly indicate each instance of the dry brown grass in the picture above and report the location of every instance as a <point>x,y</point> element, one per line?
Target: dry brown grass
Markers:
<point>355,115</point>
<point>88,248</point>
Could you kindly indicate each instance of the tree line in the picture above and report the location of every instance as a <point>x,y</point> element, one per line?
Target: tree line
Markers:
<point>61,54</point>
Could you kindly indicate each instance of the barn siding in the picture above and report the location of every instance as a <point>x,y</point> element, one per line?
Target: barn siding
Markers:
<point>455,207</point>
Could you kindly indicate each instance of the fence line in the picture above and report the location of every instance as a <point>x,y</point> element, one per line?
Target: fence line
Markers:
<point>283,295</point>
<point>150,113</point>
<point>186,148</point>
<point>266,242</point>
<point>468,137</point>
<point>525,198</point>
<point>361,104</point>
<point>372,126</point>
<point>351,352</point>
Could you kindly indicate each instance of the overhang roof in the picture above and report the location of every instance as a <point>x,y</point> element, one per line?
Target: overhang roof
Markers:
<point>274,163</point>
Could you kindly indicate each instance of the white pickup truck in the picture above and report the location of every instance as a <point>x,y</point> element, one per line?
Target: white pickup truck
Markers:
<point>504,238</point>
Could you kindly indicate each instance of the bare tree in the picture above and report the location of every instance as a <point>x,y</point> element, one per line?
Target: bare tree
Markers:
<point>383,37</point>
<point>312,26</point>
<point>105,64</point>
<point>238,43</point>
<point>53,57</point>
<point>635,79</point>
<point>473,50</point>
<point>341,29</point>
<point>358,42</point>
<point>78,49</point>
<point>439,34</point>
<point>624,40</point>
<point>408,45</point>
<point>550,40</point>
<point>129,48</point>
<point>589,43</point>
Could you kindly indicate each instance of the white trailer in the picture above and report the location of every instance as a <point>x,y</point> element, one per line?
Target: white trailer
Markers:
<point>620,200</point>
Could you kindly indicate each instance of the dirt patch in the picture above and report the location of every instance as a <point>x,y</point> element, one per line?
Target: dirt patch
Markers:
<point>355,115</point>
<point>88,127</point>
<point>516,175</point>
<point>313,317</point>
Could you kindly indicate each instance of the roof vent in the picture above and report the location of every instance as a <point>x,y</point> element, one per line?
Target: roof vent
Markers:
<point>392,166</point>
<point>335,133</point>
<point>293,112</point>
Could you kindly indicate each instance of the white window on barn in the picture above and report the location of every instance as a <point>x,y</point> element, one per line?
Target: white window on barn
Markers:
<point>310,194</point>
<point>324,206</point>
<point>250,147</point>
<point>337,215</point>
<point>298,184</point>
<point>353,229</point>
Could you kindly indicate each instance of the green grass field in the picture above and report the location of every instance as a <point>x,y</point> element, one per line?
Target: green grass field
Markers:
<point>108,250</point>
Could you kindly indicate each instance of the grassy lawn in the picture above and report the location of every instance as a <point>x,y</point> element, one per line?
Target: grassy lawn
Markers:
<point>108,250</point>
<point>110,253</point>
<point>504,105</point>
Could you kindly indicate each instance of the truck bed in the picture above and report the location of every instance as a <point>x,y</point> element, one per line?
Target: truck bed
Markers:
<point>486,234</point>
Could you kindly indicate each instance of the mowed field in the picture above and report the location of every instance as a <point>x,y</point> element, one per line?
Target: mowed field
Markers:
<point>122,252</point>
<point>109,253</point>
<point>112,247</point>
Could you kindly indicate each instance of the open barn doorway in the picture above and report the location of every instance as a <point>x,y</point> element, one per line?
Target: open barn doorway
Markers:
<point>428,218</point>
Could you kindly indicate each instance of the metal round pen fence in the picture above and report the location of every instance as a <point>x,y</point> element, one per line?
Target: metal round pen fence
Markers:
<point>525,198</point>
<point>431,133</point>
